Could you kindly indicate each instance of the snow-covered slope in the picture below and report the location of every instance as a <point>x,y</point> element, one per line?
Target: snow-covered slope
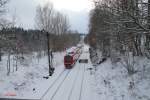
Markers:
<point>114,83</point>
<point>28,81</point>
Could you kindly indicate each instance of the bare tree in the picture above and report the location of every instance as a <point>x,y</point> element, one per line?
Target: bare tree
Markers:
<point>61,23</point>
<point>52,21</point>
<point>122,26</point>
<point>44,17</point>
<point>5,24</point>
<point>2,21</point>
<point>2,6</point>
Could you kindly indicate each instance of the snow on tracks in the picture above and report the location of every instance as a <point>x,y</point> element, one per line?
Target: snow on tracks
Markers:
<point>65,86</point>
<point>78,87</point>
<point>64,74</point>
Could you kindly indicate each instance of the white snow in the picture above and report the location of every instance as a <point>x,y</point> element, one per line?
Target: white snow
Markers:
<point>107,81</point>
<point>28,81</point>
<point>65,84</point>
<point>113,81</point>
<point>76,86</point>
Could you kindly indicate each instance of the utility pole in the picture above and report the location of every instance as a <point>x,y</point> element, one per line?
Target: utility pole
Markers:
<point>51,69</point>
<point>0,54</point>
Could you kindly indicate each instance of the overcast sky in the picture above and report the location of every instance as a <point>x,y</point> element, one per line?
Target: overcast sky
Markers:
<point>76,10</point>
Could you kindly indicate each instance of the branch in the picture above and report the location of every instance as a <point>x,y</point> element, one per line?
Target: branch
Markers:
<point>130,15</point>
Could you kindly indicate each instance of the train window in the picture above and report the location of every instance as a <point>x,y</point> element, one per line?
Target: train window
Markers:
<point>71,52</point>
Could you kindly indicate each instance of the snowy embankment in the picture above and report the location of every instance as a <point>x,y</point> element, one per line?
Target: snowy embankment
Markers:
<point>114,83</point>
<point>28,81</point>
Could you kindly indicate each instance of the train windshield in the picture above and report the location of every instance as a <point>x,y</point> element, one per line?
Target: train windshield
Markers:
<point>68,58</point>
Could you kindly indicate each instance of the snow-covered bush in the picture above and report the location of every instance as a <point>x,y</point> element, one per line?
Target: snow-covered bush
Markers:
<point>128,62</point>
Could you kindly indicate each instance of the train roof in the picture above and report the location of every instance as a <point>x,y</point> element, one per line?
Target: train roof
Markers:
<point>71,50</point>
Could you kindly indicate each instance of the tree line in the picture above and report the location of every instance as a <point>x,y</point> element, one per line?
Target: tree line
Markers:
<point>120,26</point>
<point>47,20</point>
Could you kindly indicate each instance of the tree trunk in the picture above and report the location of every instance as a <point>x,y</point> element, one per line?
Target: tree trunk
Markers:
<point>148,14</point>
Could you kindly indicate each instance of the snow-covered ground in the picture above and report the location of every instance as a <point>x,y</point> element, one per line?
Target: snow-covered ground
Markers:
<point>28,81</point>
<point>65,84</point>
<point>112,81</point>
<point>107,81</point>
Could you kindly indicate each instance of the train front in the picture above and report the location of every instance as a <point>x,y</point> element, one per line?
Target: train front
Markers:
<point>69,58</point>
<point>68,61</point>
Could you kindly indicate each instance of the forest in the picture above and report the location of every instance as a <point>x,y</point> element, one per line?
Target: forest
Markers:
<point>16,39</point>
<point>121,28</point>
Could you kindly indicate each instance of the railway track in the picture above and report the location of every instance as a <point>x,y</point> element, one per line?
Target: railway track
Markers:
<point>69,97</point>
<point>59,86</point>
<point>63,87</point>
<point>77,89</point>
<point>63,76</point>
<point>73,86</point>
<point>65,91</point>
<point>81,88</point>
<point>53,83</point>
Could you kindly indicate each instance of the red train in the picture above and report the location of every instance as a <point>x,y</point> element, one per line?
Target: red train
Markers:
<point>71,56</point>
